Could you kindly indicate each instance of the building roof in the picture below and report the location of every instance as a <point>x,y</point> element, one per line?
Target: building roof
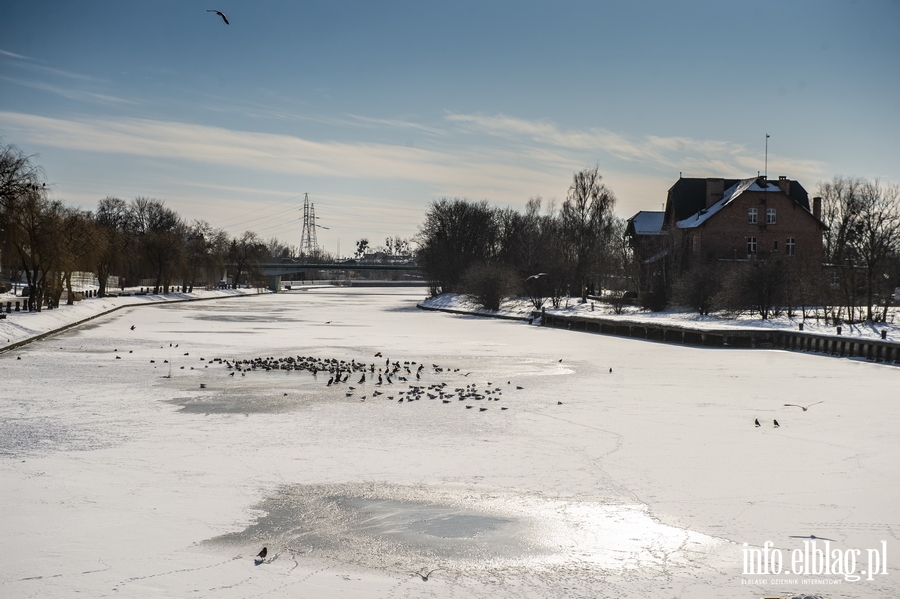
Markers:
<point>730,194</point>
<point>687,196</point>
<point>647,223</point>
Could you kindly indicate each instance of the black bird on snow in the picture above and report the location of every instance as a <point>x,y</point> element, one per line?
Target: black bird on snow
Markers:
<point>261,555</point>
<point>132,327</point>
<point>559,403</point>
<point>756,422</point>
<point>610,370</point>
<point>776,423</point>
<point>221,14</point>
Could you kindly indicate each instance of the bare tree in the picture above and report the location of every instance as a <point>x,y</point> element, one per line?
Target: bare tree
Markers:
<point>877,235</point>
<point>245,253</point>
<point>864,231</point>
<point>19,177</point>
<point>361,246</point>
<point>161,236</point>
<point>80,241</point>
<point>113,219</point>
<point>35,226</point>
<point>586,217</point>
<point>456,234</point>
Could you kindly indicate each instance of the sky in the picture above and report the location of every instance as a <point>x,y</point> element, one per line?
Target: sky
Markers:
<point>377,109</point>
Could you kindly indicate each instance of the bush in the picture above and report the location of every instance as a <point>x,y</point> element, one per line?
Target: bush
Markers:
<point>487,285</point>
<point>700,288</point>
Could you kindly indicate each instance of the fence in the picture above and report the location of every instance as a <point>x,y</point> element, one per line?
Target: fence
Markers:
<point>871,349</point>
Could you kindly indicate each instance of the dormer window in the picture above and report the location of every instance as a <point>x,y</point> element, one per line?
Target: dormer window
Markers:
<point>752,216</point>
<point>770,216</point>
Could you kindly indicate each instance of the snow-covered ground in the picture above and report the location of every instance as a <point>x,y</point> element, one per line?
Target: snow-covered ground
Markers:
<point>19,326</point>
<point>523,308</point>
<point>134,464</point>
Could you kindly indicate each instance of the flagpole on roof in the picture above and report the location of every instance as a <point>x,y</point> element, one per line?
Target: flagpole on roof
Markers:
<point>767,157</point>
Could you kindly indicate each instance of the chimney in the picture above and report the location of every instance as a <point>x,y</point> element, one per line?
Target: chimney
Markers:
<point>715,189</point>
<point>761,182</point>
<point>817,208</point>
<point>784,184</point>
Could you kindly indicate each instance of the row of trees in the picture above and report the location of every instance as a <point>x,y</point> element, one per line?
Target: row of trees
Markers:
<point>45,241</point>
<point>579,248</point>
<point>544,252</point>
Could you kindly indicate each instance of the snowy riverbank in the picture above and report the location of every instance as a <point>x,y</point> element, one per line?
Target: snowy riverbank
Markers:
<point>522,309</point>
<point>21,327</point>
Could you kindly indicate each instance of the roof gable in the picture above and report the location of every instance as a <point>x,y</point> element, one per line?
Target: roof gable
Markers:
<point>647,222</point>
<point>687,198</point>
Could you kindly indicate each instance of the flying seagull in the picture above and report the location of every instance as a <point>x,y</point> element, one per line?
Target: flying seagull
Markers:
<point>221,14</point>
<point>540,274</point>
<point>424,577</point>
<point>804,408</point>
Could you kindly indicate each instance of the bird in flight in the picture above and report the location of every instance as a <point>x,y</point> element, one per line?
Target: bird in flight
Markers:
<point>540,274</point>
<point>424,577</point>
<point>221,14</point>
<point>804,408</point>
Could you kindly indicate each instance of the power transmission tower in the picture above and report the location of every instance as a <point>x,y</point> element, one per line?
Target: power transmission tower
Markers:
<point>308,243</point>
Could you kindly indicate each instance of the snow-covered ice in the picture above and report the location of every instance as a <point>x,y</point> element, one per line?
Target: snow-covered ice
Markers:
<point>121,476</point>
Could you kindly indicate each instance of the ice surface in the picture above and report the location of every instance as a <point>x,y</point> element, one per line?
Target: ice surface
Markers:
<point>123,477</point>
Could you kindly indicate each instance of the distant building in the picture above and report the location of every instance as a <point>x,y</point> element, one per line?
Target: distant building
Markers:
<point>725,220</point>
<point>733,219</point>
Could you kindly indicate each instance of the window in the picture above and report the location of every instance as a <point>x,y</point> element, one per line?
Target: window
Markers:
<point>790,246</point>
<point>751,245</point>
<point>770,216</point>
<point>752,216</point>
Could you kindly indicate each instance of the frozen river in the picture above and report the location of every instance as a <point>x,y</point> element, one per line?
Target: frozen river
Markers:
<point>135,463</point>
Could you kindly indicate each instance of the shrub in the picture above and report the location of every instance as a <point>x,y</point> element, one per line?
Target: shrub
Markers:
<point>487,285</point>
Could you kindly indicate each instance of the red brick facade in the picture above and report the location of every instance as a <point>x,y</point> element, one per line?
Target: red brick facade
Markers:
<point>730,234</point>
<point>748,220</point>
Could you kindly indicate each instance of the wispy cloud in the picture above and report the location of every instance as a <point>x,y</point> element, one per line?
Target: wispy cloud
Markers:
<point>397,124</point>
<point>28,63</point>
<point>71,94</point>
<point>702,157</point>
<point>13,55</point>
<point>528,158</point>
<point>457,172</point>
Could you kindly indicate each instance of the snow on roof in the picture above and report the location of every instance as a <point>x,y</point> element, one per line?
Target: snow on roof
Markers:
<point>730,194</point>
<point>648,223</point>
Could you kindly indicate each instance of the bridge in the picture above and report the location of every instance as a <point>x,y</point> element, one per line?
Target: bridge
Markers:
<point>276,270</point>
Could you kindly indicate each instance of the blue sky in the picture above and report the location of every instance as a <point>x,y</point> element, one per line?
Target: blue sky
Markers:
<point>378,108</point>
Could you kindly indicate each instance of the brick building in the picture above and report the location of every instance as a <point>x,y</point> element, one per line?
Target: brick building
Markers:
<point>731,219</point>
